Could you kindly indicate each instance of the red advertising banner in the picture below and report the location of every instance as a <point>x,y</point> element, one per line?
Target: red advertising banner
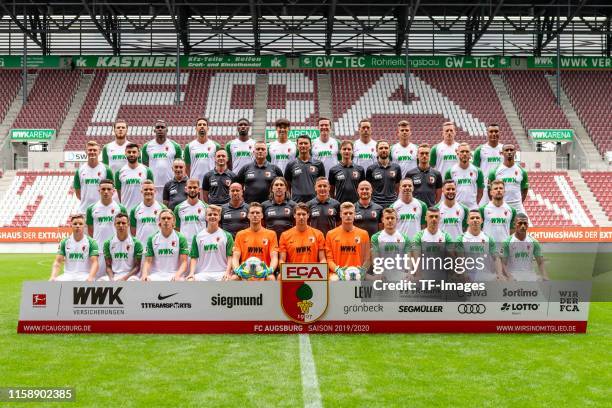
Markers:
<point>572,234</point>
<point>33,234</point>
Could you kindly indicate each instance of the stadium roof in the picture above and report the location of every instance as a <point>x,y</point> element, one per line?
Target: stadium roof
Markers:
<point>294,27</point>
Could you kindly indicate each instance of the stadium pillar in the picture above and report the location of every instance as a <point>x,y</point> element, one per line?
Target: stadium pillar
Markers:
<point>558,74</point>
<point>407,71</point>
<point>24,62</point>
<point>178,69</point>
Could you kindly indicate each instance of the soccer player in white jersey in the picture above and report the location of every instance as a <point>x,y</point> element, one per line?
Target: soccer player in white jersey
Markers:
<point>514,178</point>
<point>519,251</point>
<point>200,153</point>
<point>122,253</point>
<point>488,156</point>
<point>364,148</point>
<point>282,150</point>
<point>211,250</point>
<point>411,211</point>
<point>129,179</point>
<point>78,253</point>
<point>444,155</point>
<point>432,242</point>
<point>240,150</point>
<point>159,154</point>
<point>113,153</point>
<point>497,215</point>
<point>474,244</point>
<point>88,177</point>
<point>467,177</point>
<point>100,218</point>
<point>404,153</point>
<point>389,242</point>
<point>144,218</point>
<point>166,252</point>
<point>191,213</point>
<point>453,215</point>
<point>325,148</point>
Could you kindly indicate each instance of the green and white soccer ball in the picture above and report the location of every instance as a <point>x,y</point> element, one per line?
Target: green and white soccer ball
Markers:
<point>253,268</point>
<point>350,273</point>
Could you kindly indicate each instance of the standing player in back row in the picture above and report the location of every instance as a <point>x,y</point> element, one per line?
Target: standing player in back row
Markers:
<point>281,151</point>
<point>404,153</point>
<point>364,149</point>
<point>514,177</point>
<point>468,178</point>
<point>488,156</point>
<point>159,154</point>
<point>88,177</point>
<point>200,153</point>
<point>240,150</point>
<point>325,148</point>
<point>302,172</point>
<point>129,179</point>
<point>113,153</point>
<point>444,155</point>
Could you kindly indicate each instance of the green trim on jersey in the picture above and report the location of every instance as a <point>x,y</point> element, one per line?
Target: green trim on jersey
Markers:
<point>76,182</point>
<point>61,250</point>
<point>178,151</point>
<point>375,244</point>
<point>476,160</point>
<point>105,159</point>
<point>144,155</point>
<point>433,156</point>
<point>183,245</point>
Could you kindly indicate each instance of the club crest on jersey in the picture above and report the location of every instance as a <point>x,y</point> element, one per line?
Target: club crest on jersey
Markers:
<point>304,291</point>
<point>457,213</point>
<point>355,174</point>
<point>228,182</point>
<point>330,211</point>
<point>311,239</point>
<point>313,169</point>
<point>199,210</point>
<point>173,243</point>
<point>373,214</point>
<point>287,211</point>
<point>267,174</point>
<point>139,174</point>
<point>167,148</point>
<point>112,210</point>
<point>99,174</point>
<point>432,179</point>
<point>83,248</point>
<point>218,239</point>
<point>264,241</point>
<point>392,173</point>
<point>128,247</point>
<point>357,240</point>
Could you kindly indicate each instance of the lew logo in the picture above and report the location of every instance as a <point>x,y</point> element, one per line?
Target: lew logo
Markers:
<point>304,291</point>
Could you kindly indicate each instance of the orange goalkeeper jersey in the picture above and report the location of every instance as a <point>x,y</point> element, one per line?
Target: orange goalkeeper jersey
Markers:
<point>302,247</point>
<point>346,248</point>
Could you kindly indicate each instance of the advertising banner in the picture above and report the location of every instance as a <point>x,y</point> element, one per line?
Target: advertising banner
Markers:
<point>595,62</point>
<point>32,135</point>
<point>194,61</point>
<point>292,134</point>
<point>33,61</point>
<point>33,234</point>
<point>552,135</point>
<point>390,62</point>
<point>287,307</point>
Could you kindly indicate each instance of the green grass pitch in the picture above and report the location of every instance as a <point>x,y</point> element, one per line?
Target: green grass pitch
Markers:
<point>353,370</point>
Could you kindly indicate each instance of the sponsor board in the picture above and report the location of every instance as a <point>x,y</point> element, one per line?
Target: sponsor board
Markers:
<point>572,234</point>
<point>292,134</point>
<point>33,234</point>
<point>285,307</point>
<point>32,135</point>
<point>193,61</point>
<point>594,62</point>
<point>416,61</point>
<point>75,156</point>
<point>552,135</point>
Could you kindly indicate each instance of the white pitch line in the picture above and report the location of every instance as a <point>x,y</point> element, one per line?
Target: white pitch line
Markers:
<point>310,384</point>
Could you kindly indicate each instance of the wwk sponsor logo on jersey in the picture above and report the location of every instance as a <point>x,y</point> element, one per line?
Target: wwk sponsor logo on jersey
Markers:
<point>304,291</point>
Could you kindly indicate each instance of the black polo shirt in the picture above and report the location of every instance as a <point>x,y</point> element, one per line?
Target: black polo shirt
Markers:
<point>383,180</point>
<point>278,217</point>
<point>345,180</point>
<point>174,192</point>
<point>368,217</point>
<point>234,219</point>
<point>302,175</point>
<point>257,180</point>
<point>425,184</point>
<point>324,215</point>
<point>217,185</point>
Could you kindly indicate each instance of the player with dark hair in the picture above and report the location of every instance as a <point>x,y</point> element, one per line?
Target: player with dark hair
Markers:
<point>345,176</point>
<point>302,243</point>
<point>444,154</point>
<point>404,153</point>
<point>364,148</point>
<point>282,150</point>
<point>278,210</point>
<point>122,253</point>
<point>128,180</point>
<point>302,172</point>
<point>325,148</point>
<point>384,176</point>
<point>324,210</point>
<point>519,251</point>
<point>453,215</point>
<point>474,243</point>
<point>468,178</point>
<point>113,153</point>
<point>514,177</point>
<point>240,150</point>
<point>200,153</point>
<point>488,156</point>
<point>159,155</point>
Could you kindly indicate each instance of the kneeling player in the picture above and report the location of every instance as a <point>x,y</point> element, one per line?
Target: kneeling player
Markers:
<point>78,253</point>
<point>519,251</point>
<point>122,253</point>
<point>302,243</point>
<point>211,249</point>
<point>166,257</point>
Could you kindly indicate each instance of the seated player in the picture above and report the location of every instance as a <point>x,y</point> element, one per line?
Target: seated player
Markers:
<point>519,251</point>
<point>122,253</point>
<point>347,245</point>
<point>166,256</point>
<point>78,253</point>
<point>211,250</point>
<point>432,242</point>
<point>255,241</point>
<point>302,243</point>
<point>475,243</point>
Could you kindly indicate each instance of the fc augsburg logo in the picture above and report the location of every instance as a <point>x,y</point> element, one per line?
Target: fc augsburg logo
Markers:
<point>304,291</point>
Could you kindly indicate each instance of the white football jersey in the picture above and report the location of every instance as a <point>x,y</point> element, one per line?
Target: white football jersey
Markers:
<point>122,254</point>
<point>442,156</point>
<point>497,221</point>
<point>519,256</point>
<point>212,250</point>
<point>240,153</point>
<point>326,152</point>
<point>113,155</point>
<point>165,252</point>
<point>77,257</point>
<point>411,216</point>
<point>200,157</point>
<point>453,220</point>
<point>405,156</point>
<point>515,180</point>
<point>159,158</point>
<point>467,182</point>
<point>87,179</point>
<point>364,154</point>
<point>190,219</point>
<point>129,182</point>
<point>145,219</point>
<point>281,154</point>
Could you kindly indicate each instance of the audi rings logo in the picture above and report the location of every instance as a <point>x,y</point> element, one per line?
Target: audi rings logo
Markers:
<point>471,308</point>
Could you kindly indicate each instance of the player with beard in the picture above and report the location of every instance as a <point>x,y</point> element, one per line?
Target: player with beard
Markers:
<point>473,244</point>
<point>384,176</point>
<point>113,153</point>
<point>488,156</point>
<point>191,214</point>
<point>159,154</point>
<point>78,253</point>
<point>167,250</point>
<point>364,149</point>
<point>497,215</point>
<point>200,153</point>
<point>468,178</point>
<point>519,251</point>
<point>453,215</point>
<point>325,148</point>
<point>278,210</point>
<point>128,180</point>
<point>122,253</point>
<point>514,177</point>
<point>240,150</point>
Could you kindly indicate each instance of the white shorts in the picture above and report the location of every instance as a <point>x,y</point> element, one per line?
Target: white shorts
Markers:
<point>525,276</point>
<point>161,277</point>
<point>209,276</point>
<point>71,278</point>
<point>105,278</point>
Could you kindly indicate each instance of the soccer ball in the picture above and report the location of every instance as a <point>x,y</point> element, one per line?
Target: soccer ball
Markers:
<point>352,273</point>
<point>253,268</point>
